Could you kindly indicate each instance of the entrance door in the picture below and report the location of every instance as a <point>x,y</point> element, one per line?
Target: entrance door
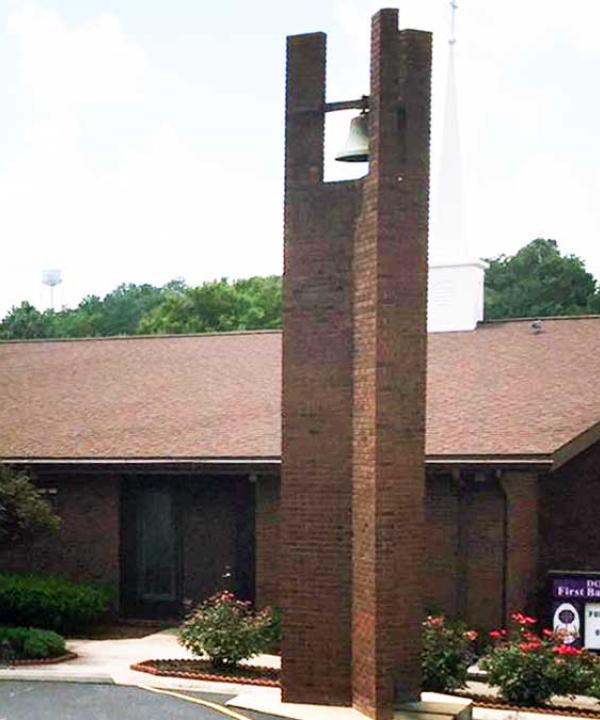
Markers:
<point>151,556</point>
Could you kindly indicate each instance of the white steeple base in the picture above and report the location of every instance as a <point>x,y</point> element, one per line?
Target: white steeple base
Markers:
<point>455,296</point>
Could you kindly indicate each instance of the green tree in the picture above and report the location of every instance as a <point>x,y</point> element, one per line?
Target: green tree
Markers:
<point>24,513</point>
<point>118,313</point>
<point>249,304</point>
<point>539,282</point>
<point>24,322</point>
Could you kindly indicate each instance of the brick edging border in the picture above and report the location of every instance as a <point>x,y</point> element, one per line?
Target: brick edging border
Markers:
<point>484,701</point>
<point>43,661</point>
<point>147,666</point>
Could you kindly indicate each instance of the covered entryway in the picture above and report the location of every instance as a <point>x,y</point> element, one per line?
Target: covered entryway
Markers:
<point>182,539</point>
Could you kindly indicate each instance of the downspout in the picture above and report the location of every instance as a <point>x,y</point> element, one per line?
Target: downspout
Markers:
<point>505,512</point>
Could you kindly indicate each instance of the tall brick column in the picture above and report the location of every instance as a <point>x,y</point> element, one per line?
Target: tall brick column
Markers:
<point>354,345</point>
<point>316,489</point>
<point>390,273</point>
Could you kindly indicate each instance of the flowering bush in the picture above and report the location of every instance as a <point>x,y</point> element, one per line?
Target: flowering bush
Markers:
<point>529,667</point>
<point>447,654</point>
<point>227,630</point>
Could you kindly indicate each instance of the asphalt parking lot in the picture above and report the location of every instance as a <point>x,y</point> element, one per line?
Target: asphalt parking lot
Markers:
<point>82,701</point>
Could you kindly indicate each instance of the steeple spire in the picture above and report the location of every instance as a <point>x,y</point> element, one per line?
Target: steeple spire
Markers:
<point>454,8</point>
<point>456,286</point>
<point>449,239</point>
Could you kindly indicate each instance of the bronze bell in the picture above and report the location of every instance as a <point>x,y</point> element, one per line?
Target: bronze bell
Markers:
<point>356,148</point>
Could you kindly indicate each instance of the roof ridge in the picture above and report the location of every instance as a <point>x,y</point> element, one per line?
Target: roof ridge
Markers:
<point>532,318</point>
<point>166,336</point>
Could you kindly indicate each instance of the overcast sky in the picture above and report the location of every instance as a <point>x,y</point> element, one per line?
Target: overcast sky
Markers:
<point>142,140</point>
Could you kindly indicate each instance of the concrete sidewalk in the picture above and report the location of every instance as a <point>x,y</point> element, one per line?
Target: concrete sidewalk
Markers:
<point>109,661</point>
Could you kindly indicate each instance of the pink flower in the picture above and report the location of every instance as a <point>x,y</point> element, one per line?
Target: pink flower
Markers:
<point>523,619</point>
<point>471,635</point>
<point>434,621</point>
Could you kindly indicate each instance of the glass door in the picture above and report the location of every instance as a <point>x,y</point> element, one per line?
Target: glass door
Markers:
<point>156,544</point>
<point>150,549</point>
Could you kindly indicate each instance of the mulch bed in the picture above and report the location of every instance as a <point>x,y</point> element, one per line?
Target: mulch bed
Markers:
<point>42,661</point>
<point>495,703</point>
<point>203,670</point>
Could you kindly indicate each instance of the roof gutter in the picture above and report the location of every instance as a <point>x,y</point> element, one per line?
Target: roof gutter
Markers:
<point>504,461</point>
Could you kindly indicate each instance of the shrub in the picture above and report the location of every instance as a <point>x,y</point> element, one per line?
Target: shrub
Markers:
<point>446,655</point>
<point>529,668</point>
<point>31,643</point>
<point>227,630</point>
<point>24,512</point>
<point>50,602</point>
<point>273,632</point>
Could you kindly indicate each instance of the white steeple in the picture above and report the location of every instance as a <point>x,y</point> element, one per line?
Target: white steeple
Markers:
<point>455,277</point>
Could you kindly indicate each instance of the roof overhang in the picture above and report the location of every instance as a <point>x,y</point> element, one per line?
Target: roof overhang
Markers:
<point>576,446</point>
<point>264,464</point>
<point>151,465</point>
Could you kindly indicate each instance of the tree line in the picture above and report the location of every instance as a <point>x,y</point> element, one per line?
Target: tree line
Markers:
<point>538,281</point>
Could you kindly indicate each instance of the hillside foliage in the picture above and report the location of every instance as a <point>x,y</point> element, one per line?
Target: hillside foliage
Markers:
<point>538,281</point>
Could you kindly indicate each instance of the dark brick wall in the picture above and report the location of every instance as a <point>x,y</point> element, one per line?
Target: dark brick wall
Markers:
<point>522,542</point>
<point>208,536</point>
<point>464,572</point>
<point>87,547</point>
<point>267,541</point>
<point>483,520</point>
<point>569,525</point>
<point>442,547</point>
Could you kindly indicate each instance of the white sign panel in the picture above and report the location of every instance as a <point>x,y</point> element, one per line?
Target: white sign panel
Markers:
<point>592,626</point>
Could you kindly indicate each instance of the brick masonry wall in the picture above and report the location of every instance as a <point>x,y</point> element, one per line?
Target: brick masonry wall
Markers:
<point>390,272</point>
<point>87,547</point>
<point>464,551</point>
<point>208,536</point>
<point>483,521</point>
<point>442,546</point>
<point>267,541</point>
<point>569,526</point>
<point>522,542</point>
<point>354,384</point>
<point>315,531</point>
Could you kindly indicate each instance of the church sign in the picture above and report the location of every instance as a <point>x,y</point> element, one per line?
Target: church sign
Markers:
<point>576,608</point>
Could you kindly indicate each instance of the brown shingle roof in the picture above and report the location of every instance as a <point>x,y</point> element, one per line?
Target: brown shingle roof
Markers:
<point>497,391</point>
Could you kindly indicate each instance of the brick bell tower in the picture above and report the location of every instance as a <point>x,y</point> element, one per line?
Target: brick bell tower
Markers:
<point>354,362</point>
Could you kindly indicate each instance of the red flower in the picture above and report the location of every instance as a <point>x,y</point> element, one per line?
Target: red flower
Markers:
<point>497,634</point>
<point>566,650</point>
<point>547,633</point>
<point>526,647</point>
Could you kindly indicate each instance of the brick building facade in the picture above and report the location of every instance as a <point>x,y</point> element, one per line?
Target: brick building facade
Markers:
<point>512,463</point>
<point>479,566</point>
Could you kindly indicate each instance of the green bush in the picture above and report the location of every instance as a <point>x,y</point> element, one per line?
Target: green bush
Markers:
<point>227,630</point>
<point>50,602</point>
<point>273,631</point>
<point>31,643</point>
<point>529,668</point>
<point>446,655</point>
